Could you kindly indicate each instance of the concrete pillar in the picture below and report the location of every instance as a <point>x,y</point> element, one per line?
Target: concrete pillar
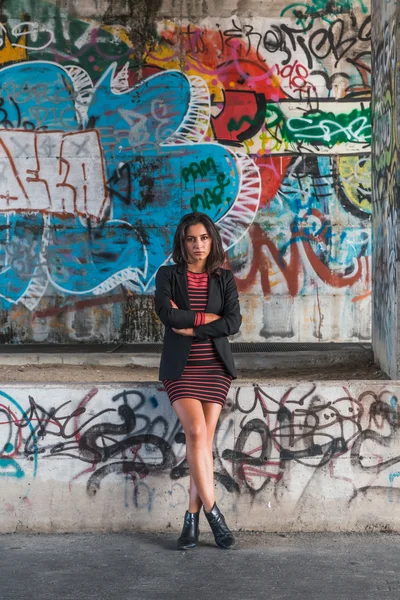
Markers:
<point>385,178</point>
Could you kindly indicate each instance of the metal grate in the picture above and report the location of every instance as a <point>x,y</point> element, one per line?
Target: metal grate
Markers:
<point>293,347</point>
<point>237,347</point>
<point>241,347</point>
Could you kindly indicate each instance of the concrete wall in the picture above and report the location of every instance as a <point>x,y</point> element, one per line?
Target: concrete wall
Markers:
<point>385,150</point>
<point>118,117</point>
<point>290,457</point>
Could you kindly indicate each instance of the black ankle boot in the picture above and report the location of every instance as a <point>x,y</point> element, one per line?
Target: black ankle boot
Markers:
<point>222,534</point>
<point>190,531</point>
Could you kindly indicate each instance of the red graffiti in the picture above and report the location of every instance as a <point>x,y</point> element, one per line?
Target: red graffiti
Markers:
<point>242,116</point>
<point>272,171</point>
<point>234,62</point>
<point>291,269</point>
<point>79,305</point>
<point>295,75</point>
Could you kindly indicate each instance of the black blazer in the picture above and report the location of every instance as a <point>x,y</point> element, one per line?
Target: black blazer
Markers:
<point>223,300</point>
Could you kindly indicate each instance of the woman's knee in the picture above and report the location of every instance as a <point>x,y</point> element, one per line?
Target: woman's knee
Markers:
<point>196,433</point>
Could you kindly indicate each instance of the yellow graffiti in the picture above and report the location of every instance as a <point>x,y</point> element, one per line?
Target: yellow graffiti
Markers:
<point>11,52</point>
<point>117,31</point>
<point>355,178</point>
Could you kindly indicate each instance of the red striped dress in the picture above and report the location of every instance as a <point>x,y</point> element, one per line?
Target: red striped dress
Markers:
<point>204,377</point>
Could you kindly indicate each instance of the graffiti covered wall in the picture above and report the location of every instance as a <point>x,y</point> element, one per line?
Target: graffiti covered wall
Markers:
<point>291,458</point>
<point>385,187</point>
<point>115,123</point>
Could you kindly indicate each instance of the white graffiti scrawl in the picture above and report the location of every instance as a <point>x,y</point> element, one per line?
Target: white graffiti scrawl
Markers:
<point>52,172</point>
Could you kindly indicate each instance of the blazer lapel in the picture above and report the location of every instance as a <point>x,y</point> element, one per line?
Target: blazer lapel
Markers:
<point>181,280</point>
<point>212,289</point>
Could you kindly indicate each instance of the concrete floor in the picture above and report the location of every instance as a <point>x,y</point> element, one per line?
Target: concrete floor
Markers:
<point>147,567</point>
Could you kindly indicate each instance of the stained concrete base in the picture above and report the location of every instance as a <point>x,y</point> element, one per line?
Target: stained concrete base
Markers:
<point>288,456</point>
<point>147,567</point>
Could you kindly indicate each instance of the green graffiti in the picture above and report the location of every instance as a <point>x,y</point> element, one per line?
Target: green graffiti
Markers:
<point>328,129</point>
<point>316,127</point>
<point>201,169</point>
<point>322,8</point>
<point>209,197</point>
<point>235,125</point>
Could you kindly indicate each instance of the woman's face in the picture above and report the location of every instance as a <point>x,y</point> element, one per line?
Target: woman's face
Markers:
<point>198,243</point>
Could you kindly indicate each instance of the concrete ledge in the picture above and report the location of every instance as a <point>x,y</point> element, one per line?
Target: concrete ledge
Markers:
<point>310,456</point>
<point>257,361</point>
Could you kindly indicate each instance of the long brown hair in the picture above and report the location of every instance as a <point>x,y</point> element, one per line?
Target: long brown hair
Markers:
<point>215,259</point>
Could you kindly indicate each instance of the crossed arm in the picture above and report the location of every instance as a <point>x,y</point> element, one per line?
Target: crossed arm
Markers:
<point>180,321</point>
<point>183,321</point>
<point>189,331</point>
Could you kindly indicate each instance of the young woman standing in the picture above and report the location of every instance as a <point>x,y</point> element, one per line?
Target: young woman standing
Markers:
<point>198,303</point>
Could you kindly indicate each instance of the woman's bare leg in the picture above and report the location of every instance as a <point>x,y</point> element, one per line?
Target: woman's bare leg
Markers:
<point>212,411</point>
<point>192,417</point>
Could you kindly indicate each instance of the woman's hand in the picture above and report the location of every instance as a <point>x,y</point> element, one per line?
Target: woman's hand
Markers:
<point>173,304</point>
<point>188,332</point>
<point>211,317</point>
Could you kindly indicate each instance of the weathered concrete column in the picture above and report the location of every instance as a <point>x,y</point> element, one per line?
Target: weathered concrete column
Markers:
<point>385,169</point>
